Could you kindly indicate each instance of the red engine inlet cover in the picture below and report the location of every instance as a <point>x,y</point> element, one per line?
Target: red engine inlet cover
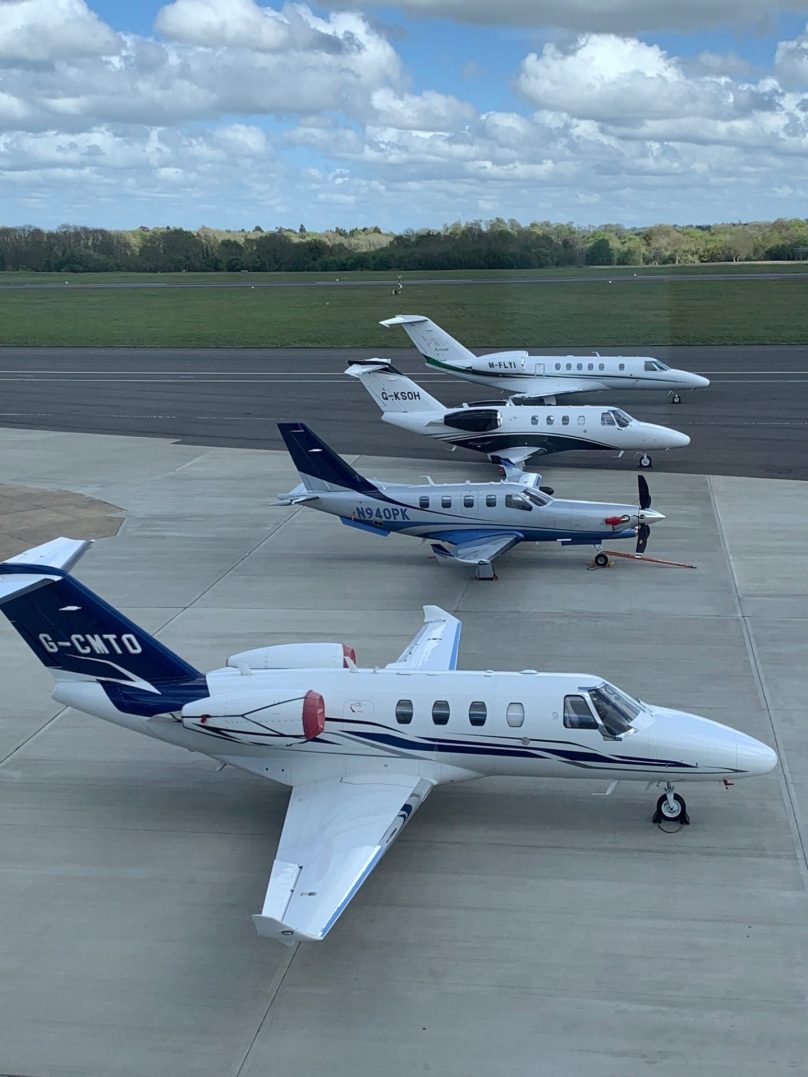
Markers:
<point>348,652</point>
<point>313,715</point>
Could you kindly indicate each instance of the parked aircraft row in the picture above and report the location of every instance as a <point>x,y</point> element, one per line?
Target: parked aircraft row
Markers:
<point>361,748</point>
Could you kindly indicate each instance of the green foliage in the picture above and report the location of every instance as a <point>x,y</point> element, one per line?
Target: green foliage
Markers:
<point>600,253</point>
<point>484,245</point>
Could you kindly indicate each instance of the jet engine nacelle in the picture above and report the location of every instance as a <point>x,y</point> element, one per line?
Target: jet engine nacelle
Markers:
<point>504,361</point>
<point>477,420</point>
<point>255,718</point>
<point>296,656</point>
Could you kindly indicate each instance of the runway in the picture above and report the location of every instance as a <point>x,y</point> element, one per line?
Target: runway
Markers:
<point>335,281</point>
<point>752,421</point>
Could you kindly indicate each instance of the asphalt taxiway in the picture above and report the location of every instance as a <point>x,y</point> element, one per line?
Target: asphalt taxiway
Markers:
<point>752,420</point>
<point>517,926</point>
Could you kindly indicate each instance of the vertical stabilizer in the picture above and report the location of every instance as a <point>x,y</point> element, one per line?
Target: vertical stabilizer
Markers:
<point>435,344</point>
<point>391,390</point>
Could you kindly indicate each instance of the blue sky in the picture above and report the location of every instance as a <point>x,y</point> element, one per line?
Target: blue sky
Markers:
<point>231,112</point>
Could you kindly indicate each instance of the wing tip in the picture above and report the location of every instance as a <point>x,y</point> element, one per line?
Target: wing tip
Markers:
<point>269,928</point>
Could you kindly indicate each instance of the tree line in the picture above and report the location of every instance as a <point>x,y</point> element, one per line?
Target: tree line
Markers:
<point>495,244</point>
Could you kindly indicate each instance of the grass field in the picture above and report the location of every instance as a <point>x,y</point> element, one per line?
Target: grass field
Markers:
<point>686,311</point>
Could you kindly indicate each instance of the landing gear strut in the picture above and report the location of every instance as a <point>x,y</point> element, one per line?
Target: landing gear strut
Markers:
<point>671,808</point>
<point>646,461</point>
<point>601,558</point>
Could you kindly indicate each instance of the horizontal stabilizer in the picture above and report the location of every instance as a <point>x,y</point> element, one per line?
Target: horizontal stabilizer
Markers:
<point>59,553</point>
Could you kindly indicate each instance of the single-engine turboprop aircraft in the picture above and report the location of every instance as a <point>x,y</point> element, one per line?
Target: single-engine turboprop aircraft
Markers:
<point>509,431</point>
<point>361,748</point>
<point>472,523</point>
<point>543,377</point>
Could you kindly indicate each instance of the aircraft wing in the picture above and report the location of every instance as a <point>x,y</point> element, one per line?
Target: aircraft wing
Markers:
<point>482,549</point>
<point>435,646</point>
<point>546,385</point>
<point>335,833</point>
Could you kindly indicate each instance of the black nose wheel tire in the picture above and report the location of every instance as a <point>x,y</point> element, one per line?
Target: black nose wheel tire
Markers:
<point>676,399</point>
<point>601,559</point>
<point>671,813</point>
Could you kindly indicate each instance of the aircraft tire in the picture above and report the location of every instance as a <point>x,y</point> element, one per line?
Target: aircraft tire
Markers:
<point>664,813</point>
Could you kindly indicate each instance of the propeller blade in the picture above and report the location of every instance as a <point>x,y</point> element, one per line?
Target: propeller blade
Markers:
<point>643,531</point>
<point>645,493</point>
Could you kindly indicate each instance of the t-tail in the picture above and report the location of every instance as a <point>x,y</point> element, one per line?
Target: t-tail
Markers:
<point>438,348</point>
<point>392,391</point>
<point>318,465</point>
<point>80,638</point>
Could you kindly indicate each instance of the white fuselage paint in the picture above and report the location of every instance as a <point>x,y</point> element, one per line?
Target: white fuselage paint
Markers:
<point>557,519</point>
<point>519,372</point>
<point>563,427</point>
<point>361,707</point>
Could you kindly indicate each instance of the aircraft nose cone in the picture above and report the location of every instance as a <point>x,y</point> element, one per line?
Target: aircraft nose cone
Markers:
<point>754,757</point>
<point>700,382</point>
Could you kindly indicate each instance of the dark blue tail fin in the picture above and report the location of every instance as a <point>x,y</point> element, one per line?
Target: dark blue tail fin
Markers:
<point>74,632</point>
<point>319,466</point>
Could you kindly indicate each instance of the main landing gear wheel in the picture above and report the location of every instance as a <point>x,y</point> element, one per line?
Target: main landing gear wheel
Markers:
<point>671,808</point>
<point>601,559</point>
<point>646,461</point>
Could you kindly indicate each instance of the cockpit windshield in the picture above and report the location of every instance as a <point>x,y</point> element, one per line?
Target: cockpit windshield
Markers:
<point>537,499</point>
<point>655,364</point>
<point>615,709</point>
<point>621,418</point>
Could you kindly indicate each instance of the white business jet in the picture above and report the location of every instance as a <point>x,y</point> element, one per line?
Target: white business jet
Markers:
<point>360,748</point>
<point>543,377</point>
<point>510,431</point>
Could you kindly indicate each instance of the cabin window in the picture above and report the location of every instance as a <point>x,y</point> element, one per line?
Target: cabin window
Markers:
<point>558,366</point>
<point>440,711</point>
<point>517,501</point>
<point>491,501</point>
<point>581,420</point>
<point>577,714</point>
<point>565,420</point>
<point>478,712</point>
<point>569,366</point>
<point>423,502</point>
<point>590,366</point>
<point>549,420</point>
<point>446,502</point>
<point>404,711</point>
<point>580,366</point>
<point>621,366</point>
<point>607,419</point>
<point>601,366</point>
<point>515,715</point>
<point>468,501</point>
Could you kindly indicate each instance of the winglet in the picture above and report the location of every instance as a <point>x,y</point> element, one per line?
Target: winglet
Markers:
<point>404,319</point>
<point>435,646</point>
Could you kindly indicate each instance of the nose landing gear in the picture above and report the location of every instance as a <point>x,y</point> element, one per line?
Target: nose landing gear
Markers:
<point>671,808</point>
<point>646,461</point>
<point>676,399</point>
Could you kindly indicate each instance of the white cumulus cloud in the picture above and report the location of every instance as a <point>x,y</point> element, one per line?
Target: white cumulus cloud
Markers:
<point>34,31</point>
